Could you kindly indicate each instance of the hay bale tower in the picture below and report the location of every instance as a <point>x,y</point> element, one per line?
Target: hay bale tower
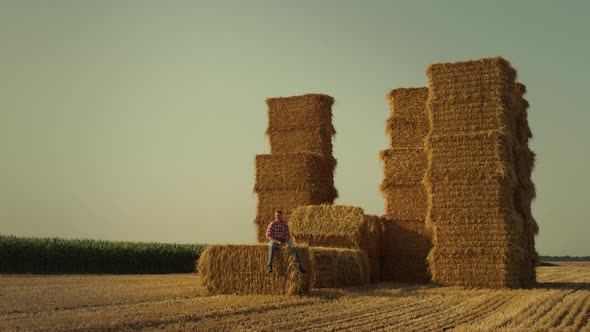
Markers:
<point>472,179</point>
<point>406,242</point>
<point>300,169</point>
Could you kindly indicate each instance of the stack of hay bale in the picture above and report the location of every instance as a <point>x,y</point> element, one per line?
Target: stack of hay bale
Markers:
<point>300,168</point>
<point>342,241</point>
<point>471,177</point>
<point>525,193</point>
<point>406,242</point>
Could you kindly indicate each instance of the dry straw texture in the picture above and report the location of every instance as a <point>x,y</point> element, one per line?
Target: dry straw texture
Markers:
<point>473,155</point>
<point>405,202</point>
<point>470,96</point>
<point>338,226</point>
<point>299,112</point>
<point>405,246</point>
<point>472,176</point>
<point>298,171</point>
<point>287,200</point>
<point>403,166</point>
<point>241,269</point>
<point>330,226</point>
<point>408,124</point>
<point>316,140</point>
<point>338,267</point>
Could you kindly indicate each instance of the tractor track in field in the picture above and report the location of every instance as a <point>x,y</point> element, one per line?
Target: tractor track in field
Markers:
<point>369,314</point>
<point>560,301</point>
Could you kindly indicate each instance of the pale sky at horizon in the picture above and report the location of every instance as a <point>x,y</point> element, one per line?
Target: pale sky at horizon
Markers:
<point>140,120</point>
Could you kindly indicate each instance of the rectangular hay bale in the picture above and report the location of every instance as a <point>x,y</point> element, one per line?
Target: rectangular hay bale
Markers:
<point>473,156</point>
<point>403,166</point>
<point>408,103</point>
<point>408,124</point>
<point>294,171</point>
<point>241,269</point>
<point>338,267</point>
<point>330,226</point>
<point>406,133</point>
<point>299,112</point>
<point>315,140</point>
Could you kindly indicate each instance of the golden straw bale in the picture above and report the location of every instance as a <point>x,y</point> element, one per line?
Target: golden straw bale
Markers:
<point>338,267</point>
<point>471,95</point>
<point>286,200</point>
<point>316,140</point>
<point>403,166</point>
<point>408,124</point>
<point>330,226</point>
<point>241,269</point>
<point>479,195</point>
<point>300,112</point>
<point>406,133</point>
<point>478,266</point>
<point>479,155</point>
<point>405,202</point>
<point>409,103</point>
<point>304,171</point>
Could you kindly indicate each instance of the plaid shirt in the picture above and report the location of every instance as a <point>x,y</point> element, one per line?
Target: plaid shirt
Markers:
<point>278,230</point>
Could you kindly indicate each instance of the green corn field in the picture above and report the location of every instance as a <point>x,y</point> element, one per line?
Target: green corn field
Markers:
<point>59,256</point>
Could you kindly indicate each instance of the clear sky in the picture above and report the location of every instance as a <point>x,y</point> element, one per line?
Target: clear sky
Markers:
<point>140,120</point>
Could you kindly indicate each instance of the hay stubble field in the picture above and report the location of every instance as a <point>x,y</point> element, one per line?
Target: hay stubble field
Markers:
<point>179,302</point>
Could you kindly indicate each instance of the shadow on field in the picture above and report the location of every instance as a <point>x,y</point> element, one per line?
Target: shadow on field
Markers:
<point>563,285</point>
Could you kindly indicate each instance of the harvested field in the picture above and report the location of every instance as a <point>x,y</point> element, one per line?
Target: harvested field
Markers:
<point>178,302</point>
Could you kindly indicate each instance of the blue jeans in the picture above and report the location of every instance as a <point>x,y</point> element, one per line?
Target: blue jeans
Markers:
<point>272,246</point>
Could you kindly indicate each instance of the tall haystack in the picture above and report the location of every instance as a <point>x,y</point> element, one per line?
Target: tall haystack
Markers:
<point>300,169</point>
<point>471,177</point>
<point>338,226</point>
<point>405,243</point>
<point>241,269</point>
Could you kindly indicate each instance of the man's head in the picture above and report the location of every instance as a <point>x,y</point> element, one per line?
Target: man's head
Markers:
<point>279,215</point>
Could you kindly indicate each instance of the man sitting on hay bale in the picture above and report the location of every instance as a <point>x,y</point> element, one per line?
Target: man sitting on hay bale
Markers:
<point>278,234</point>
